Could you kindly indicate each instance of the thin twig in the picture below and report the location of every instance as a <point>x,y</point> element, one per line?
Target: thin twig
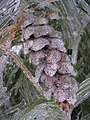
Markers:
<point>18,61</point>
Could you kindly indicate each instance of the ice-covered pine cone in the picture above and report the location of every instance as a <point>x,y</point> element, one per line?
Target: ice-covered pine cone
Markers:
<point>46,51</point>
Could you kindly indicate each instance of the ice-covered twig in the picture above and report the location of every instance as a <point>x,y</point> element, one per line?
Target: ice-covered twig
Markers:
<point>20,64</point>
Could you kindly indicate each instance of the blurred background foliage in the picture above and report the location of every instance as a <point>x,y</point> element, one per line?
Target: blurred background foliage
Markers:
<point>25,101</point>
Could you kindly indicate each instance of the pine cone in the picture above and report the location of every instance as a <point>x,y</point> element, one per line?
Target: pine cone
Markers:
<point>46,51</point>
